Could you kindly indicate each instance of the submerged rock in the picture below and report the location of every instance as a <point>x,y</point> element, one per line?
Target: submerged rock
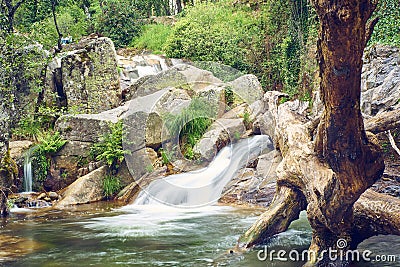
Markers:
<point>14,247</point>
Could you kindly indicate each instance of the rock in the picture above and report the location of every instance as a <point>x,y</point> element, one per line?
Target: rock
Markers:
<point>393,190</point>
<point>221,133</point>
<point>53,195</point>
<point>41,196</point>
<point>265,122</point>
<point>248,88</point>
<point>173,101</point>
<point>380,80</point>
<point>86,189</point>
<point>247,188</point>
<point>85,79</point>
<point>84,128</point>
<point>152,155</point>
<point>17,148</point>
<point>180,76</point>
<point>236,112</point>
<point>19,200</point>
<point>67,164</point>
<point>267,164</point>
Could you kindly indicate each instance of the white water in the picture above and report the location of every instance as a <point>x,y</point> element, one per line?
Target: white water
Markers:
<point>28,172</point>
<point>204,187</point>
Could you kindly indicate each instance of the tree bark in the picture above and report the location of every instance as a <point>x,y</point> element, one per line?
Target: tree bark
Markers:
<point>306,182</point>
<point>341,140</point>
<point>59,34</point>
<point>11,9</point>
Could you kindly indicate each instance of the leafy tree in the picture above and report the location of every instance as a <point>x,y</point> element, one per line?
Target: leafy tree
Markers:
<point>387,30</point>
<point>8,9</point>
<point>119,20</point>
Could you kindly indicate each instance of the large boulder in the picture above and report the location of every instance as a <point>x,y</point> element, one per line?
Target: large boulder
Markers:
<point>248,88</point>
<point>17,148</point>
<point>183,76</point>
<point>85,79</point>
<point>221,133</point>
<point>381,80</point>
<point>255,184</point>
<point>134,67</point>
<point>143,120</point>
<point>86,189</point>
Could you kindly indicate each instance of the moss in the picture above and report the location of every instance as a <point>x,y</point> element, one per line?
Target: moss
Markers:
<point>9,167</point>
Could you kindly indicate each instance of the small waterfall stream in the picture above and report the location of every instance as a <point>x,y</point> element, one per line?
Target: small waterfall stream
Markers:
<point>28,171</point>
<point>204,187</point>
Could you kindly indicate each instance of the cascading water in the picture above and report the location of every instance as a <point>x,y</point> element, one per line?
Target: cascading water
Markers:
<point>28,172</point>
<point>204,187</point>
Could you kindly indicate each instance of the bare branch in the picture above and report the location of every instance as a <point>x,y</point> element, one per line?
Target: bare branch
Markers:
<point>392,142</point>
<point>383,122</point>
<point>370,29</point>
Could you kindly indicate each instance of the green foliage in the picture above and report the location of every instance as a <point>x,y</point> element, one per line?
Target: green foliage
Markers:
<point>111,185</point>
<point>216,32</point>
<point>387,30</point>
<point>110,148</point>
<point>9,166</point>
<point>149,168</point>
<point>22,68</point>
<point>10,203</point>
<point>71,21</point>
<point>49,144</point>
<point>31,125</point>
<point>154,7</point>
<point>119,20</point>
<point>165,157</point>
<point>153,37</point>
<point>267,42</point>
<point>191,123</point>
<point>246,120</point>
<point>229,97</point>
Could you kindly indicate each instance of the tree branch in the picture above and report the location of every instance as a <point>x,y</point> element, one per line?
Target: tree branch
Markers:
<point>383,122</point>
<point>392,142</point>
<point>370,29</point>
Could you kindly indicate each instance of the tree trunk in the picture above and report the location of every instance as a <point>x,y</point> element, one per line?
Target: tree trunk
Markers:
<point>179,6</point>
<point>341,141</point>
<point>344,161</point>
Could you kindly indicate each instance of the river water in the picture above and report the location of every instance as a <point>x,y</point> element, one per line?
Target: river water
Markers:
<point>171,224</point>
<point>98,235</point>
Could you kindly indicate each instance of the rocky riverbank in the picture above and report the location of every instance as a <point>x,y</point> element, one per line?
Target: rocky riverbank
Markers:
<point>100,88</point>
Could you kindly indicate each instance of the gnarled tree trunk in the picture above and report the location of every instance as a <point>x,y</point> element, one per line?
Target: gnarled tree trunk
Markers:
<point>341,140</point>
<point>330,162</point>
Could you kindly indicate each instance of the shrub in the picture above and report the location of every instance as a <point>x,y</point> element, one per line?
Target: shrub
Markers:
<point>191,123</point>
<point>49,144</point>
<point>119,20</point>
<point>387,30</point>
<point>111,185</point>
<point>110,148</point>
<point>215,32</point>
<point>71,20</point>
<point>153,37</point>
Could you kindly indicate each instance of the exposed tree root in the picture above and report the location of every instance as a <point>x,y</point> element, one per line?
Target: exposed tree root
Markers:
<point>306,182</point>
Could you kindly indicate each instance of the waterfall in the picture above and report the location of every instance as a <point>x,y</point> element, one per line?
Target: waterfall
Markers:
<point>205,186</point>
<point>28,172</point>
